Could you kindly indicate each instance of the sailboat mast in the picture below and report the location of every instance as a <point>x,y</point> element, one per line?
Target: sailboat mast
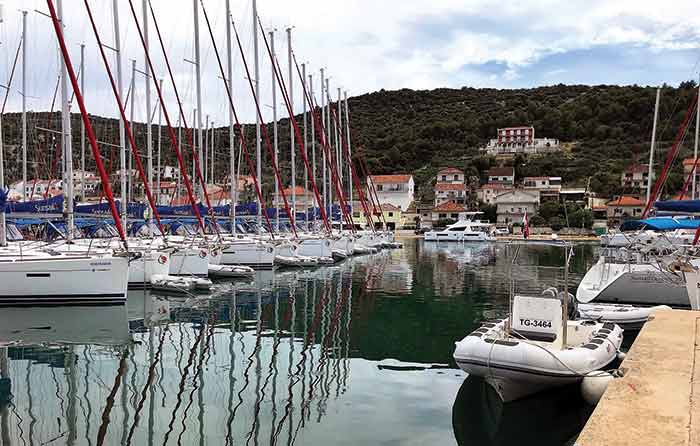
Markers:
<point>653,143</point>
<point>67,140</point>
<point>275,136</point>
<point>323,152</point>
<point>149,124</point>
<point>338,127</point>
<point>326,90</point>
<point>82,124</point>
<point>313,141</point>
<point>257,115</point>
<point>347,140</point>
<point>695,147</point>
<point>231,139</point>
<point>3,232</point>
<point>290,93</point>
<point>24,104</point>
<point>205,166</point>
<point>122,135</point>
<point>130,194</point>
<point>198,82</point>
<point>306,145</point>
<point>159,167</point>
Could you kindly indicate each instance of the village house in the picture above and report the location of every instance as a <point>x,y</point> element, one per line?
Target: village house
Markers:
<point>35,189</point>
<point>513,140</point>
<point>488,192</point>
<point>548,188</point>
<point>501,175</point>
<point>636,176</point>
<point>303,197</point>
<point>624,208</point>
<point>450,175</point>
<point>448,210</point>
<point>450,186</point>
<point>393,189</point>
<point>393,216</point>
<point>512,205</point>
<point>688,165</point>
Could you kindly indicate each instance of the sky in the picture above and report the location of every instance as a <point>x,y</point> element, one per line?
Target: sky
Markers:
<point>364,45</point>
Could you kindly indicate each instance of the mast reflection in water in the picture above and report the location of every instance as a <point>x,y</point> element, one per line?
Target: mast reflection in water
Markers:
<point>358,353</point>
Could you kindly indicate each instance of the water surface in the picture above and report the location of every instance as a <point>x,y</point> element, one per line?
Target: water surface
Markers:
<point>359,353</point>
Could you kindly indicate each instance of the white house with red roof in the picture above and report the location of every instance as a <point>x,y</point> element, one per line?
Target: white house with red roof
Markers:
<point>488,192</point>
<point>397,190</point>
<point>624,208</point>
<point>449,210</point>
<point>511,206</point>
<point>450,186</point>
<point>636,176</point>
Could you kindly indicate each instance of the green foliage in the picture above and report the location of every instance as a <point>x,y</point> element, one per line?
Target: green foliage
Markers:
<point>556,223</point>
<point>489,211</point>
<point>537,220</point>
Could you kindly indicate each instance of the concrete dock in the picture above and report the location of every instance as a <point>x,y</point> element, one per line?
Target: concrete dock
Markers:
<point>657,402</point>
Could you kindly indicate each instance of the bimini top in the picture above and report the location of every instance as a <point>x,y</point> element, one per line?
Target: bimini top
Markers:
<point>660,224</point>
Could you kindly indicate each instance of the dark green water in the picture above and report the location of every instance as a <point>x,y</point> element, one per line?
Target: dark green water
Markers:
<point>355,354</point>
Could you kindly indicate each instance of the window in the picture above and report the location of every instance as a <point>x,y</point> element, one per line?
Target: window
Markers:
<point>444,178</point>
<point>355,215</point>
<point>380,188</point>
<point>456,177</point>
<point>442,215</point>
<point>454,216</point>
<point>391,214</point>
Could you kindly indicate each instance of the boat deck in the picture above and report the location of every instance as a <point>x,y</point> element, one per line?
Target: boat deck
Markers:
<point>658,400</point>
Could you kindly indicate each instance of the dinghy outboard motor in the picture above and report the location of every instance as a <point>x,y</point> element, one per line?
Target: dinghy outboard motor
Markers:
<point>571,304</point>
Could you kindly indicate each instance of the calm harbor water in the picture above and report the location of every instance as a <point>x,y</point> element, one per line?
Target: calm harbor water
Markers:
<point>359,353</point>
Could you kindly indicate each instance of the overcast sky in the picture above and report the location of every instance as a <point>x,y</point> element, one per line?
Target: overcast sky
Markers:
<point>367,45</point>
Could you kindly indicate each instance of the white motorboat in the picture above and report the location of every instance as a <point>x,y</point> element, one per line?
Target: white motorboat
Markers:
<point>466,230</point>
<point>542,350</point>
<point>40,277</point>
<point>638,281</point>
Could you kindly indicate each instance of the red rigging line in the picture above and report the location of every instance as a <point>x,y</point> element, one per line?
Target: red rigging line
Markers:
<point>695,166</point>
<point>268,144</point>
<point>671,156</point>
<point>239,130</point>
<point>188,132</point>
<point>320,131</point>
<point>334,169</point>
<point>355,179</point>
<point>86,121</point>
<point>295,125</point>
<point>372,188</point>
<point>127,126</point>
<point>171,132</point>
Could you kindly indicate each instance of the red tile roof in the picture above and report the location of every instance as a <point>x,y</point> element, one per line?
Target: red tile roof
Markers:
<point>501,172</point>
<point>389,207</point>
<point>450,170</point>
<point>637,168</point>
<point>449,206</point>
<point>443,187</point>
<point>625,201</point>
<point>390,179</point>
<point>298,190</point>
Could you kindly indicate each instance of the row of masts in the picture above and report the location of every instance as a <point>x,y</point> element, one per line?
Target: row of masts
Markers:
<point>335,129</point>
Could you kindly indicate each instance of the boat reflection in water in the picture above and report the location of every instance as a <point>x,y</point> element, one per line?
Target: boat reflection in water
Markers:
<point>479,417</point>
<point>243,365</point>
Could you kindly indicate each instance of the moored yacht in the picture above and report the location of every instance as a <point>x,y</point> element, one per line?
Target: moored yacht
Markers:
<point>466,230</point>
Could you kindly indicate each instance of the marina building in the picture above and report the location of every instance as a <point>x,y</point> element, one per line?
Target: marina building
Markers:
<point>397,190</point>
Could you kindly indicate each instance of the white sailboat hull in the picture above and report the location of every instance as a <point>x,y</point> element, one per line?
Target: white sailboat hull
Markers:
<point>249,253</point>
<point>63,279</point>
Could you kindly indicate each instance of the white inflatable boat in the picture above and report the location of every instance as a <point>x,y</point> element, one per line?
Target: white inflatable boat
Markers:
<point>628,317</point>
<point>172,284</point>
<point>230,271</point>
<point>540,351</point>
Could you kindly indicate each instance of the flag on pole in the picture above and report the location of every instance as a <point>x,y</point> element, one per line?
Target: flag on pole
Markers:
<point>526,226</point>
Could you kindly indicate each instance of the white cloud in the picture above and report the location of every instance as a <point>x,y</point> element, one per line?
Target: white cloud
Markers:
<point>366,45</point>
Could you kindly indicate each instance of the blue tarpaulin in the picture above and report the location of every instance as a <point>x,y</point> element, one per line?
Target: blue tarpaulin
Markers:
<point>660,224</point>
<point>682,206</point>
<point>49,206</point>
